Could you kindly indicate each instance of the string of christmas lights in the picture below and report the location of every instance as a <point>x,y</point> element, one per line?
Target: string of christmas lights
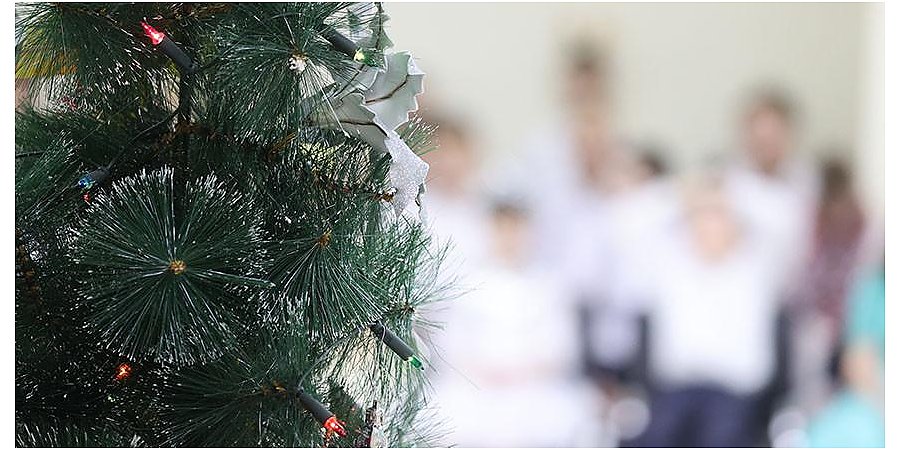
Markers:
<point>94,178</point>
<point>88,180</point>
<point>159,40</point>
<point>344,45</point>
<point>325,417</point>
<point>402,349</point>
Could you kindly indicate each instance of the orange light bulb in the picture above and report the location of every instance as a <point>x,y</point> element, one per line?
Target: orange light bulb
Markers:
<point>333,425</point>
<point>123,371</point>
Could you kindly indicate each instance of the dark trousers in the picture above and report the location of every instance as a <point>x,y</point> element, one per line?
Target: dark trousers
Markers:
<point>700,417</point>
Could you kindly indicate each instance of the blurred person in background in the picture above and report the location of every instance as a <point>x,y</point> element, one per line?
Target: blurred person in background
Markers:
<point>774,190</point>
<point>855,416</point>
<point>513,349</point>
<point>819,316</point>
<point>458,217</point>
<point>635,215</point>
<point>836,241</point>
<point>571,173</point>
<point>712,302</point>
<point>570,167</point>
<point>454,202</point>
<point>773,187</point>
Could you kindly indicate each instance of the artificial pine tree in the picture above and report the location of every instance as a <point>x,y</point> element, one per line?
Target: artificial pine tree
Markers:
<point>218,239</point>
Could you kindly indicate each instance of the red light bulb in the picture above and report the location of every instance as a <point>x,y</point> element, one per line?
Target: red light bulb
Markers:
<point>170,49</point>
<point>333,425</point>
<point>155,36</point>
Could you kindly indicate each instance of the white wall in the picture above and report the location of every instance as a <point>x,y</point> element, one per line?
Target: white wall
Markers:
<point>680,69</point>
<point>870,145</point>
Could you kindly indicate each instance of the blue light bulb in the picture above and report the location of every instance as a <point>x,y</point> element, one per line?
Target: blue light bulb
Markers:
<point>86,182</point>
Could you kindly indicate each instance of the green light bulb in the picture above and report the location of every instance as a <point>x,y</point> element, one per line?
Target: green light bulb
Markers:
<point>413,361</point>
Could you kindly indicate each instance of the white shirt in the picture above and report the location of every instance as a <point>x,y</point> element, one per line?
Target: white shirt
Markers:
<point>712,323</point>
<point>781,209</point>
<point>512,347</point>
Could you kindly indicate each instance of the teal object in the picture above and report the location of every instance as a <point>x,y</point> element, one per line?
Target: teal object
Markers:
<point>848,421</point>
<point>865,318</point>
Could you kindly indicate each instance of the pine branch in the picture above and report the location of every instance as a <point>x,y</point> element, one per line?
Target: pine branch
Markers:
<point>230,253</point>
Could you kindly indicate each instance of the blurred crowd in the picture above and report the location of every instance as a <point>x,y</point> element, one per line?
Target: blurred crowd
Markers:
<point>610,300</point>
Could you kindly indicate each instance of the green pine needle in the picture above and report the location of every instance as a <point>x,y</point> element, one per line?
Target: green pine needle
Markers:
<point>236,247</point>
<point>130,244</point>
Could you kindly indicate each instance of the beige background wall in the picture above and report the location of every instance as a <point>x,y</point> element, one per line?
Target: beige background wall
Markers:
<point>680,69</point>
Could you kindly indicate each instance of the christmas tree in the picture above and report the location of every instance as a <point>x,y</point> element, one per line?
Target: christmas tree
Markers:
<point>218,234</point>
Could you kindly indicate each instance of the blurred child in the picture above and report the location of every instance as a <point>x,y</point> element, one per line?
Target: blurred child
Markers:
<point>512,348</point>
<point>712,306</point>
<point>454,204</point>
